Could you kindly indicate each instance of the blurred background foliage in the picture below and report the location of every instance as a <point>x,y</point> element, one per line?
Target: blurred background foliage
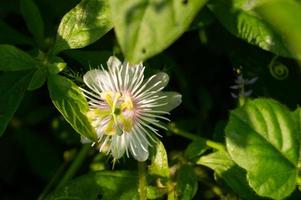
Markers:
<point>225,37</point>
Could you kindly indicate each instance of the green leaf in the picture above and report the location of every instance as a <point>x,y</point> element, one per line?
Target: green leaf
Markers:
<point>284,16</point>
<point>239,18</point>
<point>12,90</point>
<point>262,137</point>
<point>187,182</point>
<point>195,149</point>
<point>33,18</point>
<point>70,101</point>
<point>83,25</point>
<point>159,162</point>
<point>147,27</point>
<point>155,192</point>
<point>38,79</point>
<point>234,176</point>
<point>89,59</point>
<point>11,36</point>
<point>104,185</point>
<point>14,59</point>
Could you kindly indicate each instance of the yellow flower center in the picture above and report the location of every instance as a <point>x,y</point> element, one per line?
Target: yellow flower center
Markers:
<point>118,115</point>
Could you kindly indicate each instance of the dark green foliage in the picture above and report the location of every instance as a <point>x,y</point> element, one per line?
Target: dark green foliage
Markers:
<point>216,147</point>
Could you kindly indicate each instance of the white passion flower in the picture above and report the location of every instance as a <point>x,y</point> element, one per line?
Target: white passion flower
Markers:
<point>125,108</point>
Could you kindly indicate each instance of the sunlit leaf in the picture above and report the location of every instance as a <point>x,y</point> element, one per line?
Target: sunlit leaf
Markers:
<point>12,89</point>
<point>14,59</point>
<point>239,18</point>
<point>83,25</point>
<point>284,16</point>
<point>104,185</point>
<point>262,138</point>
<point>147,27</point>
<point>159,162</point>
<point>70,101</point>
<point>155,192</point>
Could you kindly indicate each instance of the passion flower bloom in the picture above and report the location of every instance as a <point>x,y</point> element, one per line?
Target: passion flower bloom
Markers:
<point>125,108</point>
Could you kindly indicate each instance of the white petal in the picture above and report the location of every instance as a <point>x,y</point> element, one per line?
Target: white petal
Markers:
<point>118,145</point>
<point>172,101</point>
<point>155,83</point>
<point>113,62</point>
<point>96,80</point>
<point>137,151</point>
<point>85,140</point>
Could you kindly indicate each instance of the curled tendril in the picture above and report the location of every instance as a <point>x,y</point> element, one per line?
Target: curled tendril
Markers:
<point>278,70</point>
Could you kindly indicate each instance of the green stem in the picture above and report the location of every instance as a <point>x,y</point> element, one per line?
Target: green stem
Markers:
<point>215,145</point>
<point>142,180</point>
<point>75,165</point>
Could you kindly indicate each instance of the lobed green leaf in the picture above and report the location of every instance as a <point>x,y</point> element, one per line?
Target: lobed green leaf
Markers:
<point>262,137</point>
<point>70,101</point>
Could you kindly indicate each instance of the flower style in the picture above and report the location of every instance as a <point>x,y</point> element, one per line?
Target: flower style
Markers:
<point>125,109</point>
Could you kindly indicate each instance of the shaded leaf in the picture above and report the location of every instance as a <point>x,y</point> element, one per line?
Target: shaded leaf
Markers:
<point>83,25</point>
<point>33,18</point>
<point>187,182</point>
<point>14,59</point>
<point>70,101</point>
<point>262,138</point>
<point>233,175</point>
<point>147,27</point>
<point>9,35</point>
<point>38,79</point>
<point>104,185</point>
<point>195,149</point>
<point>12,89</point>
